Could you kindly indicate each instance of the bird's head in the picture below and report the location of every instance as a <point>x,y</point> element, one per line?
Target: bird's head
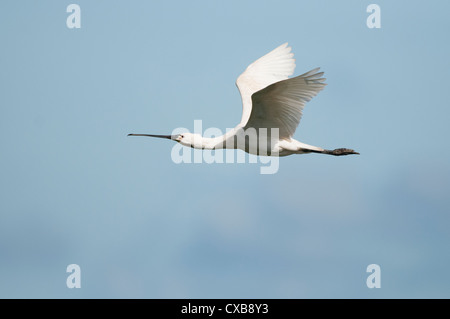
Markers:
<point>189,139</point>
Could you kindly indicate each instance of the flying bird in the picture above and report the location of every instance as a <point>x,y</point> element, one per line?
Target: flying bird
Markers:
<point>272,105</point>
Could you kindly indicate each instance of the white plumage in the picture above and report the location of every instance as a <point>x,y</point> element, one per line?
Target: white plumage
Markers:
<point>275,66</point>
<point>270,101</point>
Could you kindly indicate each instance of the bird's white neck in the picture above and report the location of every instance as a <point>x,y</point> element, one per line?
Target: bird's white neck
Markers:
<point>209,143</point>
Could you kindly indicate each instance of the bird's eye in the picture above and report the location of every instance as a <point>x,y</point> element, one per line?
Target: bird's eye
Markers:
<point>182,136</point>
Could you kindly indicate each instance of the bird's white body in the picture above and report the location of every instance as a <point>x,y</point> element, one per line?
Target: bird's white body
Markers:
<point>236,139</point>
<point>272,105</point>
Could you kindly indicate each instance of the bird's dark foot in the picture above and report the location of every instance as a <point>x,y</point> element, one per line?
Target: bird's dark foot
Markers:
<point>342,151</point>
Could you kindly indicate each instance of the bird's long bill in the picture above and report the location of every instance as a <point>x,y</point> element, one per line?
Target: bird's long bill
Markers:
<point>170,137</point>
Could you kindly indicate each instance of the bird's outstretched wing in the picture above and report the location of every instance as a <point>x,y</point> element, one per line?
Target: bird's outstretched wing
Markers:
<point>280,105</point>
<point>275,66</point>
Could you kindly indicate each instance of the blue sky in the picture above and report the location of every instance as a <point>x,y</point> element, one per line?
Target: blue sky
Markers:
<point>75,189</point>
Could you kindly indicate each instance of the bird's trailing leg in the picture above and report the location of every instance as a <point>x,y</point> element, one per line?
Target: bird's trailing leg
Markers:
<point>336,152</point>
<point>340,152</point>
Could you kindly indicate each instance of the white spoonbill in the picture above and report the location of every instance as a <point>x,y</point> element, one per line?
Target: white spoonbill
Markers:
<point>271,102</point>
